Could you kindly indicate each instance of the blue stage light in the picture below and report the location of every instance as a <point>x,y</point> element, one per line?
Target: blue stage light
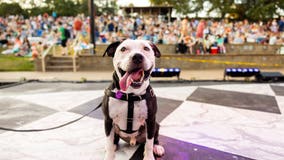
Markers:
<point>177,70</point>
<point>166,72</point>
<point>241,72</point>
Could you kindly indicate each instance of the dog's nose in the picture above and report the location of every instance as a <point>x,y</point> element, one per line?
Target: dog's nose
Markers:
<point>137,58</point>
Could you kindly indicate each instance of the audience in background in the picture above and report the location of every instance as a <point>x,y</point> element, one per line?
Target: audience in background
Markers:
<point>197,35</point>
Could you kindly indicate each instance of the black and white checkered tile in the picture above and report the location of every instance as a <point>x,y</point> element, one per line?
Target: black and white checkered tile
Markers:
<point>198,122</point>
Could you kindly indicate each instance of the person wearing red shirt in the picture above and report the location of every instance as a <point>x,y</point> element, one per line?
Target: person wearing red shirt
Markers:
<point>77,25</point>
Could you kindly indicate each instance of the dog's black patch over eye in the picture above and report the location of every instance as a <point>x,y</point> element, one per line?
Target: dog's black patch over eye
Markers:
<point>123,49</point>
<point>146,48</point>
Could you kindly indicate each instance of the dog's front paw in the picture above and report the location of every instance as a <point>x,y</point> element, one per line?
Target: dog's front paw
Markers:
<point>149,157</point>
<point>158,150</point>
<point>109,156</point>
<point>110,153</point>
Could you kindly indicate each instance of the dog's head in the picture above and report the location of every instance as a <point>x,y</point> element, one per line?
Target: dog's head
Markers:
<point>133,61</point>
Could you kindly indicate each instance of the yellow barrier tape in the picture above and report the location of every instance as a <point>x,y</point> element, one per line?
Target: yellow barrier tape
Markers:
<point>223,62</point>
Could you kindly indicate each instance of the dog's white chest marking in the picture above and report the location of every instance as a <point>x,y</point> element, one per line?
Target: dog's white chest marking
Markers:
<point>118,111</point>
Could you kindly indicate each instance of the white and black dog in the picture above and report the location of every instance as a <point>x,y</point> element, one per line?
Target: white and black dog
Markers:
<point>129,104</point>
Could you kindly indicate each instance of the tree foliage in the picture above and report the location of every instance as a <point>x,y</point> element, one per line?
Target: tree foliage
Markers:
<point>35,11</point>
<point>264,9</point>
<point>7,9</point>
<point>61,7</point>
<point>251,9</point>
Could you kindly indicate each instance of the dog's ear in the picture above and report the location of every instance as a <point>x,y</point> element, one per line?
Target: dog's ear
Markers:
<point>156,50</point>
<point>111,49</point>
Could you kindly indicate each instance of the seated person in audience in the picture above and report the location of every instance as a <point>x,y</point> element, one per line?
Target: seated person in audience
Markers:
<point>190,42</point>
<point>25,48</point>
<point>238,39</point>
<point>3,40</point>
<point>36,50</point>
<point>198,47</point>
<point>220,44</point>
<point>16,47</point>
<point>207,44</point>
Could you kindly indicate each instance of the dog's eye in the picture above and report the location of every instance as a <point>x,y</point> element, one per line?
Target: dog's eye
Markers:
<point>123,49</point>
<point>146,48</point>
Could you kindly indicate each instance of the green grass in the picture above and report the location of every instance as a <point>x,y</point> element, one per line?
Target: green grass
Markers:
<point>13,63</point>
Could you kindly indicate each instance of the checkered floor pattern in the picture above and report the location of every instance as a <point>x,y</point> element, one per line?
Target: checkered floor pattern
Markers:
<point>214,121</point>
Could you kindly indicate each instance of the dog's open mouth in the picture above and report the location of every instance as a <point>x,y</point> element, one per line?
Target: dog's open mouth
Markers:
<point>133,78</point>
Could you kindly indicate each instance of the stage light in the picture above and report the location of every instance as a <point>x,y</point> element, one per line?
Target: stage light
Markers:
<point>241,72</point>
<point>177,70</point>
<point>166,72</point>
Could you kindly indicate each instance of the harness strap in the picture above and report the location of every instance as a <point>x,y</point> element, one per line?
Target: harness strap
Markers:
<point>130,98</point>
<point>130,116</point>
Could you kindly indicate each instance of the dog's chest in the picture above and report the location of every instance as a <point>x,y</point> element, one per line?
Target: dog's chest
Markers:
<point>118,111</point>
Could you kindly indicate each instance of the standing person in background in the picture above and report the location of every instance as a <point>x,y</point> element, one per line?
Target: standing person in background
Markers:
<point>200,29</point>
<point>110,29</point>
<point>63,37</point>
<point>77,25</point>
<point>184,26</point>
<point>274,26</point>
<point>281,24</point>
<point>54,15</point>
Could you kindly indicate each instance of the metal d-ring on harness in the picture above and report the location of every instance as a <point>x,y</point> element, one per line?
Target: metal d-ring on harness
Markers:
<point>130,98</point>
<point>51,128</point>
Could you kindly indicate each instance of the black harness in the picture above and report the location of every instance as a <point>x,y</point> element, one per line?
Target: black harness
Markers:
<point>130,98</point>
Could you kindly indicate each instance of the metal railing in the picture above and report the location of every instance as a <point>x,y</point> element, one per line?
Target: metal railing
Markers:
<point>51,50</point>
<point>74,53</point>
<point>74,56</point>
<point>44,55</point>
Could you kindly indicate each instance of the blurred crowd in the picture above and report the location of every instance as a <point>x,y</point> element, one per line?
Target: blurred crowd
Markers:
<point>30,37</point>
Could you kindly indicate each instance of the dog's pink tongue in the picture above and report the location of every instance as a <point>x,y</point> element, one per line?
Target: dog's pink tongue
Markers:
<point>126,80</point>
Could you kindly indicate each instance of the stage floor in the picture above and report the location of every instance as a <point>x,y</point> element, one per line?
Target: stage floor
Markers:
<point>199,121</point>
